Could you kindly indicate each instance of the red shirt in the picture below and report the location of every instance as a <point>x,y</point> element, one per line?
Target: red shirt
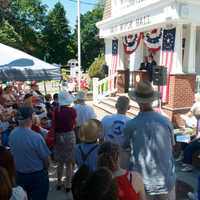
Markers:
<point>64,119</point>
<point>125,188</point>
<point>35,128</point>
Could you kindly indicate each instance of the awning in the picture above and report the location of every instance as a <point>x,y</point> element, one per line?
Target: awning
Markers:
<point>15,65</point>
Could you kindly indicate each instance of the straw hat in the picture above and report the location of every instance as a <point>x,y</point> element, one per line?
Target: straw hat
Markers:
<point>144,93</point>
<point>90,131</point>
<point>65,98</point>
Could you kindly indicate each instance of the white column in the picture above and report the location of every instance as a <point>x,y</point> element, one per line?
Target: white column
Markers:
<point>177,59</point>
<point>121,55</point>
<point>186,36</point>
<point>132,61</point>
<point>192,49</point>
<point>108,52</point>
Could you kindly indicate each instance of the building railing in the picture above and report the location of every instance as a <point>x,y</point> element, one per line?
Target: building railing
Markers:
<point>104,87</point>
<point>197,84</point>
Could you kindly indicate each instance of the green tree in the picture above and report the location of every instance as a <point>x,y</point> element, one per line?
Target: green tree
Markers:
<point>57,35</point>
<point>27,19</point>
<point>30,13</point>
<point>9,36</point>
<point>4,6</point>
<point>91,44</point>
<point>96,68</point>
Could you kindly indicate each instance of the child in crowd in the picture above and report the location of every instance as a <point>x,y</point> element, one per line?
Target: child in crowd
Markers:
<point>86,152</point>
<point>28,100</point>
<point>36,126</point>
<point>129,184</point>
<point>55,100</point>
<point>6,133</point>
<point>6,188</point>
<point>99,186</point>
<point>7,163</point>
<point>79,180</point>
<point>49,107</point>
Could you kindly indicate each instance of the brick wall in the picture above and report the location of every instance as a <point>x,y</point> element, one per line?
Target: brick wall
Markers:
<point>107,9</point>
<point>181,97</point>
<point>181,90</point>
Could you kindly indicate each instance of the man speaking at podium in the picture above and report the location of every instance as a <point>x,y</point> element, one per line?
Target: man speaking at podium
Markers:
<point>148,65</point>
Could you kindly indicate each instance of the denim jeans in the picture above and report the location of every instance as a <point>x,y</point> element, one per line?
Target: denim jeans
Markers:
<point>198,188</point>
<point>35,184</point>
<point>190,150</point>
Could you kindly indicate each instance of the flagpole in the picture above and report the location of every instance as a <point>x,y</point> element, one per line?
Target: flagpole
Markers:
<point>79,45</point>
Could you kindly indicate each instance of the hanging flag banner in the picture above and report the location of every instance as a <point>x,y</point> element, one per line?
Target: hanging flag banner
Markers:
<point>167,54</point>
<point>115,56</point>
<point>153,40</point>
<point>131,42</point>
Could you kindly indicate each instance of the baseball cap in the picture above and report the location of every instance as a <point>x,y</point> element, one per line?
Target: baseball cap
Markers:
<point>24,113</point>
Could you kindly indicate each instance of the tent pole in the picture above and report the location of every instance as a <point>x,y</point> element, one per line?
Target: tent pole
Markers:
<point>45,87</point>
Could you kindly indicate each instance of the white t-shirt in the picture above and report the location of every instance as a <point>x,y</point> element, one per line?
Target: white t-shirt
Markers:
<point>113,127</point>
<point>18,194</point>
<point>84,113</point>
<point>195,107</point>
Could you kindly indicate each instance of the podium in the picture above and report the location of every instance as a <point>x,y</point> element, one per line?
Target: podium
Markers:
<point>139,75</point>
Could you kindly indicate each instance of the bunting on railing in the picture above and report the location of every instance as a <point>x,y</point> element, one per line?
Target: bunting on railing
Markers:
<point>153,40</point>
<point>131,42</point>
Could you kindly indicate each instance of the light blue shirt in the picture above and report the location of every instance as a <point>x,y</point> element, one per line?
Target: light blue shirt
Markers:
<point>113,128</point>
<point>150,136</point>
<point>91,159</point>
<point>29,150</point>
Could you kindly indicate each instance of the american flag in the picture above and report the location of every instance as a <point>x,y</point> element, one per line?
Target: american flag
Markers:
<point>167,54</point>
<point>115,56</point>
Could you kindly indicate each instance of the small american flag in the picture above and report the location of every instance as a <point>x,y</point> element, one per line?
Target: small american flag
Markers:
<point>167,54</point>
<point>115,56</point>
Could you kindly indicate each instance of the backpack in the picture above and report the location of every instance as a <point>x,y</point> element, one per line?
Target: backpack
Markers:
<point>85,156</point>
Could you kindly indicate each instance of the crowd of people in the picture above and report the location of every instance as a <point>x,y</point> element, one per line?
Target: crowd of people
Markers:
<point>117,158</point>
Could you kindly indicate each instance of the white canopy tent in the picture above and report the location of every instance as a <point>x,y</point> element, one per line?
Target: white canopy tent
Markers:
<point>15,65</point>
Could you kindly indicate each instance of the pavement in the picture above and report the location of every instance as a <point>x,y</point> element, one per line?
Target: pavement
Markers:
<point>186,182</point>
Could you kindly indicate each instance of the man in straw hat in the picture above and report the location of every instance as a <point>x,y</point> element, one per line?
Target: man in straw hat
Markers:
<point>150,136</point>
<point>84,111</point>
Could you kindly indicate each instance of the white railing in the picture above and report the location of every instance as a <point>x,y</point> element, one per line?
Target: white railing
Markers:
<point>104,87</point>
<point>197,84</point>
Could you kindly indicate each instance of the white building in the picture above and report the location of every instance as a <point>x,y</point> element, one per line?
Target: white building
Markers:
<point>125,17</point>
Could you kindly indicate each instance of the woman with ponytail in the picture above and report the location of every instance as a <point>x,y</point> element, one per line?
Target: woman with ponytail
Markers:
<point>129,183</point>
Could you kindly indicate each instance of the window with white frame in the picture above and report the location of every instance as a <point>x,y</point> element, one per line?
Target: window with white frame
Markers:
<point>119,5</point>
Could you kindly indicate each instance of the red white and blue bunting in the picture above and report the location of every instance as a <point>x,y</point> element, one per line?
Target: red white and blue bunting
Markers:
<point>131,42</point>
<point>153,40</point>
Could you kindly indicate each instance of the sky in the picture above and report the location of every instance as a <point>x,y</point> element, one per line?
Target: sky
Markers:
<point>71,8</point>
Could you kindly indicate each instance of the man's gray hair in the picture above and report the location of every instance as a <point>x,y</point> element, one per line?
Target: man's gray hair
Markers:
<point>122,103</point>
<point>23,123</point>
